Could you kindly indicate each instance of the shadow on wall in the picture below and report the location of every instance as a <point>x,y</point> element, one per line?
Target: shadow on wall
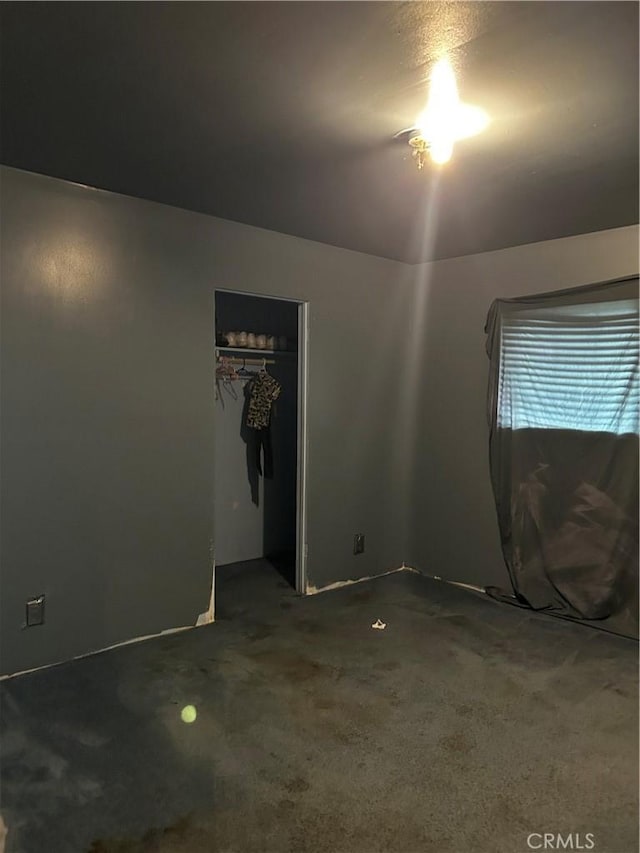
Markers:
<point>454,527</point>
<point>451,529</point>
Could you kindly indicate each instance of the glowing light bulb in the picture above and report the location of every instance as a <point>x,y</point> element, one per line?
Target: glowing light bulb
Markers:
<point>446,119</point>
<point>441,149</point>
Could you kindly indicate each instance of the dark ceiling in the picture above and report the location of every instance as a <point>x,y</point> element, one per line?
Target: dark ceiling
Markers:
<point>282,115</point>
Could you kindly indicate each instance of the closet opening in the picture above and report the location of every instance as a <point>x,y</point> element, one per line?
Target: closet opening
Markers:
<point>259,457</point>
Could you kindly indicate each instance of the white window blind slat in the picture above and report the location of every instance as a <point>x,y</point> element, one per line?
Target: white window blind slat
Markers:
<point>573,367</point>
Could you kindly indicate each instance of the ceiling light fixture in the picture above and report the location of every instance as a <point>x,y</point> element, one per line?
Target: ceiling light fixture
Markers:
<point>445,120</point>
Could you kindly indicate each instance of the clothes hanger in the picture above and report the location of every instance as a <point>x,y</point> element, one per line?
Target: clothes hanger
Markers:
<point>243,372</point>
<point>226,372</point>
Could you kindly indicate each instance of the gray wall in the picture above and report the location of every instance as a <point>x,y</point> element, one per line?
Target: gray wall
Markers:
<point>454,533</point>
<point>108,409</point>
<point>108,405</point>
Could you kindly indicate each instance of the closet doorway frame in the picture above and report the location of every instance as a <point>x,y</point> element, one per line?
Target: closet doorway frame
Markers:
<point>302,548</point>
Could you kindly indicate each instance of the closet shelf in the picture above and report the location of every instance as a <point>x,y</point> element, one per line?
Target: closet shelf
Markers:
<point>250,351</point>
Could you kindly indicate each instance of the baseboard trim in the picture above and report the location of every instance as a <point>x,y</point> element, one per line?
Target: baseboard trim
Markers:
<point>460,584</point>
<point>314,590</point>
<point>142,639</point>
<point>208,616</point>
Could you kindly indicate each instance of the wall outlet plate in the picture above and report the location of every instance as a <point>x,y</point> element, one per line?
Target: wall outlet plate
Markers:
<point>35,611</point>
<point>358,543</point>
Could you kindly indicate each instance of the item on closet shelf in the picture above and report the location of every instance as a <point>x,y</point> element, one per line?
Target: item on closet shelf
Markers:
<point>251,340</point>
<point>282,342</point>
<point>231,338</point>
<point>261,341</point>
<point>271,342</point>
<point>241,339</point>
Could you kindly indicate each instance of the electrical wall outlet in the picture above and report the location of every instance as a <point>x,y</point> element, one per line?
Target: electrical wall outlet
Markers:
<point>35,611</point>
<point>358,543</point>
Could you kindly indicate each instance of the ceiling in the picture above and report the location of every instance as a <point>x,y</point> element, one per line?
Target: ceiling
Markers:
<point>282,115</point>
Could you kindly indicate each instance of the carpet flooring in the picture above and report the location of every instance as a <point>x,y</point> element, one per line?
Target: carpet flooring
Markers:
<point>465,726</point>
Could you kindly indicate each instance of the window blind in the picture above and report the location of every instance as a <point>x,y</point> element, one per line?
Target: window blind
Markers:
<point>570,367</point>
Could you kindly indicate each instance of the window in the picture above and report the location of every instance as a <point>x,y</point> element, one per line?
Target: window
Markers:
<point>572,367</point>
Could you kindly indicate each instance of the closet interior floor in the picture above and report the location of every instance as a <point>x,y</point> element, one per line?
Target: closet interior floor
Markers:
<point>463,725</point>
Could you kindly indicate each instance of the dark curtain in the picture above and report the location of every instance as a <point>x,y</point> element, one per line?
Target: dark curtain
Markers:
<point>563,415</point>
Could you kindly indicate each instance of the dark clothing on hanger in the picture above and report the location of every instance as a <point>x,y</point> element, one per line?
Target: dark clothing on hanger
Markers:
<point>263,391</point>
<point>263,441</point>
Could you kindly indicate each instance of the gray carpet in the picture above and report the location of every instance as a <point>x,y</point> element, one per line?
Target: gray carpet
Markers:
<point>462,727</point>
